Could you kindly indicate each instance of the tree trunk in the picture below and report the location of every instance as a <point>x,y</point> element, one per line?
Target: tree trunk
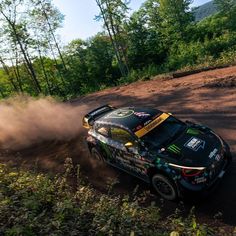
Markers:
<point>44,70</point>
<point>123,50</point>
<point>111,38</point>
<point>27,60</point>
<point>17,75</point>
<point>57,65</point>
<point>54,38</point>
<point>1,93</point>
<point>115,34</point>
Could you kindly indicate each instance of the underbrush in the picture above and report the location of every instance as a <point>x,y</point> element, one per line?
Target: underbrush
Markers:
<point>36,204</point>
<point>226,58</point>
<point>143,74</point>
<point>196,55</point>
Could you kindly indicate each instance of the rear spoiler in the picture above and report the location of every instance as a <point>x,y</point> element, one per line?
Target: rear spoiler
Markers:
<point>89,118</point>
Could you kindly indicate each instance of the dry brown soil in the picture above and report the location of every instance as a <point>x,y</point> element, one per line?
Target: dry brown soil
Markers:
<point>207,97</point>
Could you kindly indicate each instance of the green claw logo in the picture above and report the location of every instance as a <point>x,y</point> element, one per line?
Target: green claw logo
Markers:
<point>173,148</point>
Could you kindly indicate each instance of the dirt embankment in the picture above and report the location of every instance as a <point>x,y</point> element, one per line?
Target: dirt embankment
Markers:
<point>208,97</point>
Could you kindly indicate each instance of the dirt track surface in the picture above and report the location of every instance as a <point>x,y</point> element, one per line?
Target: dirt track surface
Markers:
<point>207,97</point>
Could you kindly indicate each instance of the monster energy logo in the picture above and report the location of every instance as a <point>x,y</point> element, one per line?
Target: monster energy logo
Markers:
<point>173,148</point>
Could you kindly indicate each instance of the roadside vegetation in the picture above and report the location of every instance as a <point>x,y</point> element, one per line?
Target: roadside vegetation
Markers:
<point>36,204</point>
<point>161,37</point>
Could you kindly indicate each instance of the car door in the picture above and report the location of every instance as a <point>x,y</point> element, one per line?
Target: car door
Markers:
<point>127,159</point>
<point>102,133</point>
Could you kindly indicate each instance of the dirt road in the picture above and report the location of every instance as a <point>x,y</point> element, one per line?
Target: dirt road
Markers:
<point>208,97</point>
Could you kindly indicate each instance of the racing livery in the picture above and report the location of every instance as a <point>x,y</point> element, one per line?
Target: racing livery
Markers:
<point>158,148</point>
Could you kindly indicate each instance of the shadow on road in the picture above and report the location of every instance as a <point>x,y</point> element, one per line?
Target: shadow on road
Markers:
<point>182,102</point>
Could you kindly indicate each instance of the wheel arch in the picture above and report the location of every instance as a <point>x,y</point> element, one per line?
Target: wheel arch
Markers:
<point>153,170</point>
<point>91,146</point>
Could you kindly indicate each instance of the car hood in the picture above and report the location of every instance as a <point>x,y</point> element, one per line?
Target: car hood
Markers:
<point>195,148</point>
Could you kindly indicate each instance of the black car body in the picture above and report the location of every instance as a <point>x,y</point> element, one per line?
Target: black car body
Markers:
<point>158,148</point>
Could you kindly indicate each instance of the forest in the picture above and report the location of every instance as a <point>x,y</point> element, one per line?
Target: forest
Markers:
<point>161,37</point>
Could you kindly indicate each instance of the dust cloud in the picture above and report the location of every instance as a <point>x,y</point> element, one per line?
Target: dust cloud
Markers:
<point>25,121</point>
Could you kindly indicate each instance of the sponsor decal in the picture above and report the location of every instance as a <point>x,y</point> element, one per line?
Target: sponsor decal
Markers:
<point>147,122</point>
<point>200,180</point>
<point>213,153</point>
<point>138,128</point>
<point>218,157</point>
<point>173,148</point>
<point>142,114</point>
<point>106,149</point>
<point>121,113</point>
<point>151,125</point>
<point>195,144</point>
<point>126,164</point>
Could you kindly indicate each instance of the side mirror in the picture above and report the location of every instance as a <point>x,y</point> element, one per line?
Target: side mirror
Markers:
<point>129,145</point>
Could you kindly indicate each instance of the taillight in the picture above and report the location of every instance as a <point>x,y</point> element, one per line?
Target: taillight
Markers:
<point>191,172</point>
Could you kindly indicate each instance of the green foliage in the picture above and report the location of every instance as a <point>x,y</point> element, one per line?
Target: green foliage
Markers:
<point>175,17</point>
<point>141,74</point>
<point>158,38</point>
<point>35,204</point>
<point>225,5</point>
<point>199,53</point>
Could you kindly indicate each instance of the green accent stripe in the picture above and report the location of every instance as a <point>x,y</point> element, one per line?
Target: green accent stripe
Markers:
<point>192,131</point>
<point>173,151</point>
<point>174,148</point>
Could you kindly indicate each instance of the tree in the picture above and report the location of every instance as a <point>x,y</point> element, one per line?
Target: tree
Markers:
<point>146,43</point>
<point>46,19</point>
<point>16,29</point>
<point>27,34</point>
<point>228,9</point>
<point>92,62</point>
<point>99,60</point>
<point>225,6</point>
<point>114,13</point>
<point>175,17</point>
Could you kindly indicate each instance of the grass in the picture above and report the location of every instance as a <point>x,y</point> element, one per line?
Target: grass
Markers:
<point>36,204</point>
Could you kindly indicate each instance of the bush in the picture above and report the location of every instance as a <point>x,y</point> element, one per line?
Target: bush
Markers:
<point>215,52</point>
<point>34,204</point>
<point>143,74</point>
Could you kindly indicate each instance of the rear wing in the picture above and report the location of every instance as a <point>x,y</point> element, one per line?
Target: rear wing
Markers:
<point>88,119</point>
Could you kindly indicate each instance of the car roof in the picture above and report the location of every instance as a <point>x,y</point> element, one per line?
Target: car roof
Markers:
<point>130,117</point>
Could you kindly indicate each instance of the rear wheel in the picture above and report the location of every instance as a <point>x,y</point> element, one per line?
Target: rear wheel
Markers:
<point>164,187</point>
<point>96,155</point>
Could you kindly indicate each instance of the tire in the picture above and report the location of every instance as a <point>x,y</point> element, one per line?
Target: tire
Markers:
<point>96,155</point>
<point>164,187</point>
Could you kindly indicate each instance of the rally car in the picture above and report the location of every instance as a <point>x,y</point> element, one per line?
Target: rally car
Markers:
<point>158,148</point>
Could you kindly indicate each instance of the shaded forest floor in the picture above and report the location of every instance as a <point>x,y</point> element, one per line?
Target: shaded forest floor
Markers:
<point>207,97</point>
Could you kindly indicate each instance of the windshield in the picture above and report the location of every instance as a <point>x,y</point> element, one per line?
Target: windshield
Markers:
<point>164,133</point>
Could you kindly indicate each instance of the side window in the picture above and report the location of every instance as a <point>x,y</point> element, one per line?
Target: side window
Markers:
<point>121,135</point>
<point>102,129</point>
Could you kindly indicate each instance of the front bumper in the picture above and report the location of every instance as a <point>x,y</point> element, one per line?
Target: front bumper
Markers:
<point>210,184</point>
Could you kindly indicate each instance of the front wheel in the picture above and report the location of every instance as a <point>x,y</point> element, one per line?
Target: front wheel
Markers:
<point>164,187</point>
